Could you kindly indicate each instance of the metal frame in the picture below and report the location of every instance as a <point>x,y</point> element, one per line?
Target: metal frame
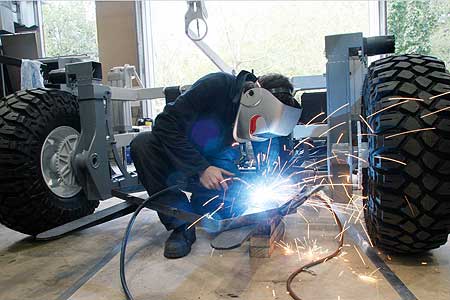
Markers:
<point>345,74</point>
<point>145,51</point>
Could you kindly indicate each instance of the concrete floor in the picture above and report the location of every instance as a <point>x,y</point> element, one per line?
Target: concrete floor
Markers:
<point>85,266</point>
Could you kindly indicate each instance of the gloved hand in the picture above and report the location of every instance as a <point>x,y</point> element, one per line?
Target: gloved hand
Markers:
<point>213,178</point>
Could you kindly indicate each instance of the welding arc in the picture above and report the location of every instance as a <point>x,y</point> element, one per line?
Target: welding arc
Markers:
<point>123,249</point>
<point>304,268</point>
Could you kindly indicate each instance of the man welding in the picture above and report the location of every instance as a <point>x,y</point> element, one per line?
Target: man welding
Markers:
<point>193,137</point>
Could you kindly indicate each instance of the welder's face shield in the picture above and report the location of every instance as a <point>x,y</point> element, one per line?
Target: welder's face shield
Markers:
<point>262,116</point>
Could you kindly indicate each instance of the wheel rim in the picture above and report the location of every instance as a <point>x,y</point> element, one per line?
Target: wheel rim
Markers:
<point>56,156</point>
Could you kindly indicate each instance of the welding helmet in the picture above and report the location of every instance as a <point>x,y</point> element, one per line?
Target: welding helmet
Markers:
<point>261,115</point>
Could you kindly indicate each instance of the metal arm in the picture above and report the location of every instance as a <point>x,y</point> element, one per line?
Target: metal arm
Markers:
<point>196,12</point>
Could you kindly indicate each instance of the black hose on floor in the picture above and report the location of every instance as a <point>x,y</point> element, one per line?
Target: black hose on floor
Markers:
<point>123,280</point>
<point>320,260</point>
<point>126,236</point>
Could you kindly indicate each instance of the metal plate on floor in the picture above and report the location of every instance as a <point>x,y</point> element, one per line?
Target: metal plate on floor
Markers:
<point>233,238</point>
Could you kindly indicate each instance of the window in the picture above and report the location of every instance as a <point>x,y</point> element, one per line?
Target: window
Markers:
<point>421,27</point>
<point>69,28</point>
<point>281,36</point>
<point>267,36</point>
<point>176,59</point>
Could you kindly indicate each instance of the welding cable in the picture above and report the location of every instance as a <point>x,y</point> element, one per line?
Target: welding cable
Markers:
<point>123,280</point>
<point>305,268</point>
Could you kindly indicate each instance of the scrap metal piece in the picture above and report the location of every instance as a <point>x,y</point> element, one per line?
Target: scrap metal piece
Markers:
<point>108,214</point>
<point>233,238</point>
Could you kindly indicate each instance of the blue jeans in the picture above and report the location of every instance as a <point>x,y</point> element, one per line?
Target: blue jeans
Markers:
<point>156,173</point>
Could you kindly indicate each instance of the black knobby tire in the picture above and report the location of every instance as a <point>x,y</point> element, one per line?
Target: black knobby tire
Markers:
<point>408,206</point>
<point>26,203</point>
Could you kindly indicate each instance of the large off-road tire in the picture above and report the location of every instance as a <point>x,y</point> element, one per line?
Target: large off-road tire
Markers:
<point>408,205</point>
<point>27,118</point>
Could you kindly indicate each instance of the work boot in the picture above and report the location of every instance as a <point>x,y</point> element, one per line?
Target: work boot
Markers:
<point>179,242</point>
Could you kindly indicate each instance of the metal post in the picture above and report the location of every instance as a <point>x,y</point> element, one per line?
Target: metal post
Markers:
<point>90,160</point>
<point>146,53</point>
<point>344,78</point>
<point>121,110</point>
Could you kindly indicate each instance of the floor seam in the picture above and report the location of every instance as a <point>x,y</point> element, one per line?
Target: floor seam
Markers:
<point>396,283</point>
<point>90,273</point>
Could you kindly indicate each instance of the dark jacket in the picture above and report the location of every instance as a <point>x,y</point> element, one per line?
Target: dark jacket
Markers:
<point>200,122</point>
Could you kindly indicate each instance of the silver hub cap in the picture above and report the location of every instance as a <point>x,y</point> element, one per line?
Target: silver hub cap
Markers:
<point>56,167</point>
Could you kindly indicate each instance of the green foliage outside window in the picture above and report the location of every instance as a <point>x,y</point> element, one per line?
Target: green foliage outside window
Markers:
<point>421,27</point>
<point>69,28</point>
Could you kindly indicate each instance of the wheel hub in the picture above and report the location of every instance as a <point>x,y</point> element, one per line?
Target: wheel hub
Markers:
<point>56,164</point>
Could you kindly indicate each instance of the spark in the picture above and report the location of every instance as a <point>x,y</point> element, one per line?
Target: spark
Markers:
<point>319,161</point>
<point>311,249</point>
<point>367,124</point>
<point>367,234</point>
<point>276,166</point>
<point>337,157</point>
<point>350,198</point>
<point>409,131</point>
<point>268,149</point>
<point>391,159</point>
<point>406,98</point>
<point>309,144</point>
<point>358,158</point>
<point>304,218</point>
<point>351,216</point>
<point>367,278</point>
<point>360,256</point>
<point>374,271</point>
<point>273,293</point>
<point>236,179</point>
<point>338,109</point>
<point>208,201</point>
<point>331,182</point>
<point>359,213</point>
<point>298,252</point>
<point>435,112</point>
<point>315,177</point>
<point>196,221</point>
<point>298,144</point>
<point>410,207</point>
<point>252,162</point>
<point>424,263</point>
<point>318,115</point>
<point>330,129</point>
<point>368,134</point>
<point>219,208</point>
<point>339,207</point>
<point>340,137</point>
<point>440,95</point>
<point>287,248</point>
<point>336,184</point>
<point>341,234</point>
<point>281,170</point>
<point>340,273</point>
<point>387,107</point>
<point>323,179</point>
<point>347,177</point>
